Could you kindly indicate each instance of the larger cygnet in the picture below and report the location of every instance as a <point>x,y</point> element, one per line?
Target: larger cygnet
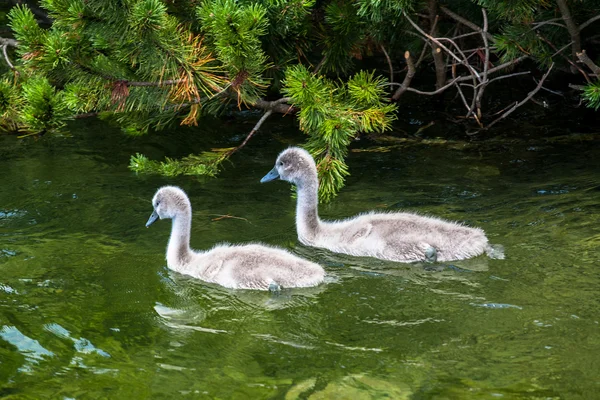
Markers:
<point>403,237</point>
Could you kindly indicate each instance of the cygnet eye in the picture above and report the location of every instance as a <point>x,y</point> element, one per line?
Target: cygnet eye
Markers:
<point>280,163</point>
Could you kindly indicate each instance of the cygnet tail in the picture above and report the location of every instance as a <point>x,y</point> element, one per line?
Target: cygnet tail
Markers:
<point>495,251</point>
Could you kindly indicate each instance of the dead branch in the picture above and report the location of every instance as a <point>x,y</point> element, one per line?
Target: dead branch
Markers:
<point>584,58</point>
<point>389,61</point>
<point>466,22</point>
<point>167,82</point>
<point>536,25</point>
<point>571,27</point>
<point>252,132</point>
<point>277,105</point>
<point>567,59</point>
<point>8,42</point>
<point>319,65</point>
<point>404,86</point>
<point>589,22</point>
<point>270,106</point>
<point>525,100</point>
<point>479,95</point>
<point>10,65</point>
<point>440,44</point>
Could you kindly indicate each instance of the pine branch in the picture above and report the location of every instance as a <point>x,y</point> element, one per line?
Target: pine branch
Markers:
<point>40,13</point>
<point>277,105</point>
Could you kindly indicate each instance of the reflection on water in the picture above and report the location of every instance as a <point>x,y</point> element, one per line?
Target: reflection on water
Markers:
<point>88,308</point>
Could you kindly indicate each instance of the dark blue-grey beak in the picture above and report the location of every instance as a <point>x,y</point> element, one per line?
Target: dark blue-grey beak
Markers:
<point>152,219</point>
<point>271,176</point>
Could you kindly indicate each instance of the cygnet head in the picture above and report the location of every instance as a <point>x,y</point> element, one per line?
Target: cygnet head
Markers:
<point>168,202</point>
<point>294,165</point>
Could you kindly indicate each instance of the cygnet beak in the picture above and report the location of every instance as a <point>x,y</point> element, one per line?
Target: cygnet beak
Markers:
<point>271,176</point>
<point>152,218</point>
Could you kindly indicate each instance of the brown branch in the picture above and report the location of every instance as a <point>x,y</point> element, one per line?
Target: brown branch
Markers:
<point>567,59</point>
<point>161,83</point>
<point>252,132</point>
<point>584,58</point>
<point>389,61</point>
<point>436,52</point>
<point>571,27</point>
<point>440,44</point>
<point>525,100</point>
<point>270,106</point>
<point>466,22</point>
<point>319,65</point>
<point>407,79</point>
<point>277,105</point>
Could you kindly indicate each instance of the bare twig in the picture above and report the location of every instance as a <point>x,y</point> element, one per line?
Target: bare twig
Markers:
<point>319,65</point>
<point>466,22</point>
<point>573,65</point>
<point>536,25</point>
<point>167,82</point>
<point>389,61</point>
<point>508,76</point>
<point>549,90</point>
<point>525,100</point>
<point>252,132</point>
<point>10,65</point>
<point>270,106</point>
<point>440,44</point>
<point>8,42</point>
<point>589,22</point>
<point>464,35</point>
<point>479,95</point>
<point>227,216</point>
<point>277,105</point>
<point>583,57</point>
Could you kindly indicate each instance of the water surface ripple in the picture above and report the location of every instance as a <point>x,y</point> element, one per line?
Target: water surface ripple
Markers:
<point>89,310</point>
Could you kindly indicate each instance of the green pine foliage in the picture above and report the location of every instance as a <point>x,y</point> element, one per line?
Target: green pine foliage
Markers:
<point>150,64</point>
<point>235,31</point>
<point>207,163</point>
<point>333,114</point>
<point>591,94</point>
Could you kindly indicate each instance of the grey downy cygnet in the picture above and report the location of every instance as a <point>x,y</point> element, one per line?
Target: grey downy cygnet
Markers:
<point>400,236</point>
<point>251,266</point>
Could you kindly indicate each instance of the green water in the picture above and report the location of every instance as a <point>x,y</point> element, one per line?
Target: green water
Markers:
<point>89,310</point>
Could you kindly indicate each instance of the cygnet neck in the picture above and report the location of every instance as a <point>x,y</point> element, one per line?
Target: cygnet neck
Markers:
<point>307,216</point>
<point>178,250</point>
